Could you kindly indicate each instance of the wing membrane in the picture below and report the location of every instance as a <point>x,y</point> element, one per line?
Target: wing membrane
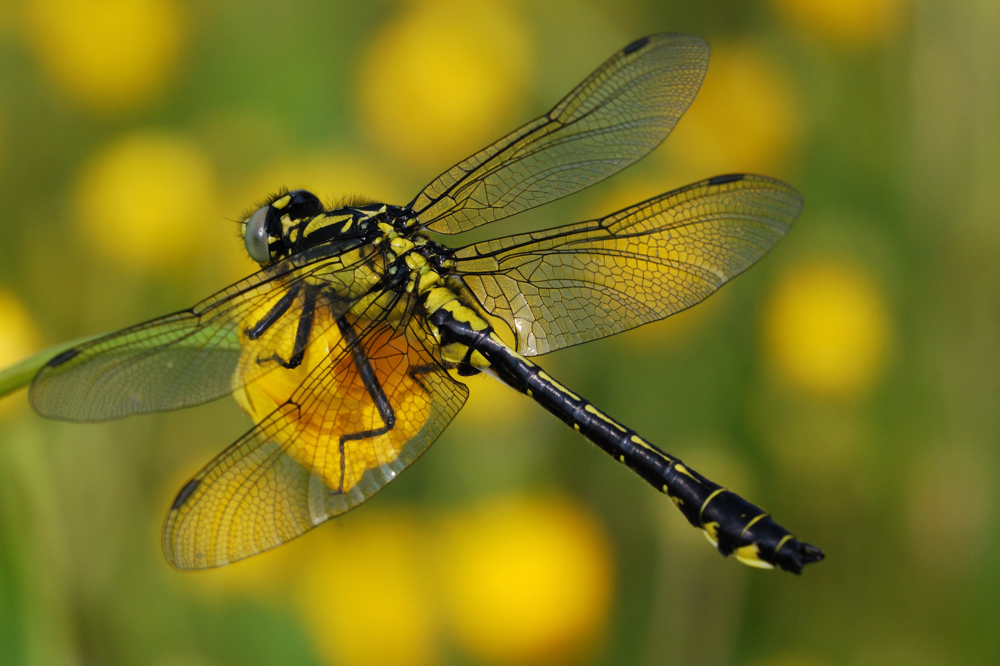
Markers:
<point>194,356</point>
<point>304,463</point>
<point>616,116</point>
<point>588,280</point>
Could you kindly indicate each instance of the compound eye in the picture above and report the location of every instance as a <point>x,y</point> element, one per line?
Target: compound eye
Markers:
<point>255,237</point>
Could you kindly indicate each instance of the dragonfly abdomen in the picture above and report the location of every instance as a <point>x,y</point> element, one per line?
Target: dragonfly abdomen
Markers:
<point>732,524</point>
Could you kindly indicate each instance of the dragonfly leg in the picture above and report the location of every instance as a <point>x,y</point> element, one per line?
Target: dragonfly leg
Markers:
<point>301,335</point>
<point>274,314</point>
<point>418,371</point>
<point>375,390</point>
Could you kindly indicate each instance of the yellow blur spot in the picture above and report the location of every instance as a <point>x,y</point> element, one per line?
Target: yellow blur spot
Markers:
<point>826,329</point>
<point>365,595</point>
<point>110,55</point>
<point>526,580</point>
<point>144,200</point>
<point>744,119</point>
<point>846,22</point>
<point>18,337</point>
<point>443,79</point>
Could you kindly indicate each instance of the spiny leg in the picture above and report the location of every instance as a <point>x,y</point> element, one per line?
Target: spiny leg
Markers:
<point>301,335</point>
<point>374,388</point>
<point>276,312</point>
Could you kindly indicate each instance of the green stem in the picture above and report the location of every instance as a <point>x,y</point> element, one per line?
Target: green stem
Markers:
<point>20,375</point>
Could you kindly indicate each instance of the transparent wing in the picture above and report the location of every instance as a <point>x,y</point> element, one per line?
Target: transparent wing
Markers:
<point>197,355</point>
<point>616,116</point>
<point>361,414</point>
<point>588,280</point>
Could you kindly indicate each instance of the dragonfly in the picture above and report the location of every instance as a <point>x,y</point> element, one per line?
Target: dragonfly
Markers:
<point>349,346</point>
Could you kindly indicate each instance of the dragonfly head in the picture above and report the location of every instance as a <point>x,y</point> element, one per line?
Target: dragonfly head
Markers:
<point>266,232</point>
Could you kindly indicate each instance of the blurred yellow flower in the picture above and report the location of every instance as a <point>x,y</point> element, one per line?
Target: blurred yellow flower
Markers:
<point>826,329</point>
<point>145,200</point>
<point>844,21</point>
<point>18,336</point>
<point>526,580</point>
<point>110,55</point>
<point>744,119</point>
<point>365,595</point>
<point>443,79</point>
<point>347,408</point>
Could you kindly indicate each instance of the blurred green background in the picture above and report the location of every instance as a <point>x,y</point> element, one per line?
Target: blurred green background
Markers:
<point>849,383</point>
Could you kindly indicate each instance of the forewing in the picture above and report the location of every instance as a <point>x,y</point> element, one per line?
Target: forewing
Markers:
<point>295,469</point>
<point>194,356</point>
<point>616,116</point>
<point>588,280</point>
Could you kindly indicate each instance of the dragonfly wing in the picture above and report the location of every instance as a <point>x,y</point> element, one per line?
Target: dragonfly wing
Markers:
<point>616,116</point>
<point>327,447</point>
<point>584,281</point>
<point>194,356</point>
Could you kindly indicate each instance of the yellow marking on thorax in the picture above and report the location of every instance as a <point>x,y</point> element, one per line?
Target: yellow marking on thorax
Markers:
<point>415,261</point>
<point>437,297</point>
<point>546,378</point>
<point>282,202</point>
<point>427,280</point>
<point>400,245</point>
<point>604,417</point>
<point>465,315</point>
<point>321,221</point>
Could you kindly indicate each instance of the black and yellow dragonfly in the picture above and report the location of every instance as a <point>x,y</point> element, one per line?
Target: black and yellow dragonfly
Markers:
<point>348,346</point>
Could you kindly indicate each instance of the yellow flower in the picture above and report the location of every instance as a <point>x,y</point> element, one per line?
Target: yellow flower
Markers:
<point>343,407</point>
<point>110,55</point>
<point>443,79</point>
<point>365,594</point>
<point>18,336</point>
<point>744,119</point>
<point>826,329</point>
<point>849,22</point>
<point>526,580</point>
<point>145,199</point>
